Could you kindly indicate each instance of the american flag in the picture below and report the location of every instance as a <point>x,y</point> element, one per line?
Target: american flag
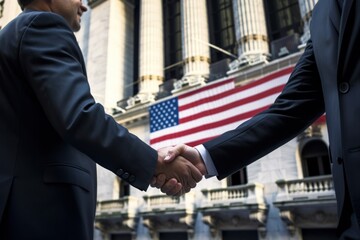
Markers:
<point>199,115</point>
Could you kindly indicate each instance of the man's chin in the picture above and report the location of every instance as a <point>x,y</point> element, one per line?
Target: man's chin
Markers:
<point>76,28</point>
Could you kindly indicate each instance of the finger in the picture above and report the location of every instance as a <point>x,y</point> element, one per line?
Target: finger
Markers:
<point>179,193</point>
<point>169,186</point>
<point>185,190</point>
<point>175,190</point>
<point>191,184</point>
<point>174,152</point>
<point>188,181</point>
<point>160,180</point>
<point>195,173</point>
<point>182,192</point>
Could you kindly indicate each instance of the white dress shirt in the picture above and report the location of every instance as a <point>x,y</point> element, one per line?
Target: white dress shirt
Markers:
<point>209,164</point>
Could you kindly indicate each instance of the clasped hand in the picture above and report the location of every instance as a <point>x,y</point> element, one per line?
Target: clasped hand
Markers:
<point>178,170</point>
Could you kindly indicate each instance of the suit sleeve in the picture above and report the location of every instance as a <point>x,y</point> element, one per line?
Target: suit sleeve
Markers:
<point>53,65</point>
<point>299,105</point>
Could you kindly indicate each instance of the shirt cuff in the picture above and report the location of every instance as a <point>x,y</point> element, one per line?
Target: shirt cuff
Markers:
<point>209,164</point>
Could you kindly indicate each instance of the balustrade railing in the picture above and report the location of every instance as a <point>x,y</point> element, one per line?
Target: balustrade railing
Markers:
<point>160,200</point>
<point>307,188</point>
<point>122,205</point>
<point>244,194</point>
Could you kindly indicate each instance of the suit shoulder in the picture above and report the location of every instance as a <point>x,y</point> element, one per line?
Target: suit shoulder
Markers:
<point>43,19</point>
<point>47,33</point>
<point>45,25</point>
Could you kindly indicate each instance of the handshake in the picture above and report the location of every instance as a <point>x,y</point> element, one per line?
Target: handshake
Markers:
<point>178,170</point>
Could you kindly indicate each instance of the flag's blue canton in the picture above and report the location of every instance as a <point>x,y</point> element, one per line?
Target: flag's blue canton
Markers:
<point>164,114</point>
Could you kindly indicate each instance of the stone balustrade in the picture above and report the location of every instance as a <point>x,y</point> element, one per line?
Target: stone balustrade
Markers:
<point>243,194</point>
<point>160,200</point>
<point>123,205</point>
<point>320,187</point>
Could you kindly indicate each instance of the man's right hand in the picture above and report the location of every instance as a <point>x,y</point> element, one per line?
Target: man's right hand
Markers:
<point>189,153</point>
<point>171,186</point>
<point>179,174</point>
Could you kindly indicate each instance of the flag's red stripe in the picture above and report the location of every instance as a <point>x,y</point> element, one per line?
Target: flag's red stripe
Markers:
<point>196,103</point>
<point>206,88</point>
<point>235,90</point>
<point>240,102</point>
<point>267,78</point>
<point>321,120</point>
<point>212,125</point>
<point>239,117</point>
<point>200,141</point>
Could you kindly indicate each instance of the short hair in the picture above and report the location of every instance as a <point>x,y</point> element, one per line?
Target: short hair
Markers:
<point>23,3</point>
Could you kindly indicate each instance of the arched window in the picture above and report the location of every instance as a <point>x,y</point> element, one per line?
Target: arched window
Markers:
<point>315,158</point>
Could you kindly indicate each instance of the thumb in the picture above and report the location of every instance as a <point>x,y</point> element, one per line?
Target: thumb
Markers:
<point>174,152</point>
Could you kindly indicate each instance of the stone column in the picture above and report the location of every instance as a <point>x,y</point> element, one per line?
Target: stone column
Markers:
<point>251,32</point>
<point>8,11</point>
<point>111,51</point>
<point>195,35</point>
<point>151,50</point>
<point>306,7</point>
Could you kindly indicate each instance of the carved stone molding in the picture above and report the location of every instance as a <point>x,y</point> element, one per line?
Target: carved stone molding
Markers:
<point>295,220</point>
<point>211,221</point>
<point>156,223</point>
<point>126,225</point>
<point>318,217</point>
<point>188,220</point>
<point>259,216</point>
<point>256,219</point>
<point>288,218</point>
<point>151,226</point>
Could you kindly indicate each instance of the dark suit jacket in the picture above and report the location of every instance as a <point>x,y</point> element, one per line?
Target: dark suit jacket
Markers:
<point>326,78</point>
<point>52,133</point>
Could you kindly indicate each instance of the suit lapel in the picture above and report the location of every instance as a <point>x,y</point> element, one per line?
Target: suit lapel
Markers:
<point>342,32</point>
<point>334,14</point>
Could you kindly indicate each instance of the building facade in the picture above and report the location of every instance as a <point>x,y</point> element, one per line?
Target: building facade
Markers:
<point>140,52</point>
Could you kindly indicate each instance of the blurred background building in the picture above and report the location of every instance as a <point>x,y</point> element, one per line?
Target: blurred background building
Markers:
<point>144,53</point>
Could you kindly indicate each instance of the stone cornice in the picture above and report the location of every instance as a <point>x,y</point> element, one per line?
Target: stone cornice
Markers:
<point>133,116</point>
